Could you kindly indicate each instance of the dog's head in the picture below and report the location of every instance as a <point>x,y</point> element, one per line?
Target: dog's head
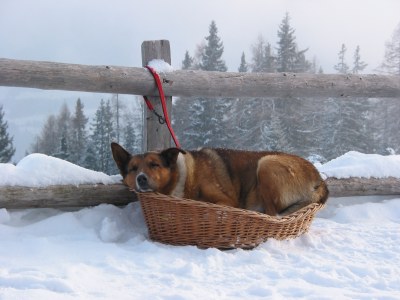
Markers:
<point>148,172</point>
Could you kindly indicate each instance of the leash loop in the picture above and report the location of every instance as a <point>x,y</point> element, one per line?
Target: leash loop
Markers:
<point>150,106</point>
<point>161,119</point>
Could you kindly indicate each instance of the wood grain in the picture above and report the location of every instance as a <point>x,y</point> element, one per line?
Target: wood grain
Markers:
<point>118,194</point>
<point>138,81</point>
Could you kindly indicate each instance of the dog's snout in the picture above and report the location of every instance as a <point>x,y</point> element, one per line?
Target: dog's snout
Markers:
<point>142,182</point>
<point>142,179</point>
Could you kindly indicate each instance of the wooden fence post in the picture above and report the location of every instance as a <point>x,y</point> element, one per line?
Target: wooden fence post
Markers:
<point>156,135</point>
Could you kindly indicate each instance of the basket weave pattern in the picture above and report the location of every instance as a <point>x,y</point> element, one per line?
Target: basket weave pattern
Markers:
<point>178,221</point>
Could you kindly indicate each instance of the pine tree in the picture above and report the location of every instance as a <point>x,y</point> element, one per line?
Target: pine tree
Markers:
<point>289,58</point>
<point>117,107</point>
<point>192,130</point>
<point>78,135</point>
<point>269,60</point>
<point>102,136</point>
<point>7,149</point>
<point>243,64</point>
<point>187,62</point>
<point>91,160</point>
<point>301,64</point>
<point>211,57</point>
<point>342,67</point>
<point>198,55</point>
<point>258,51</point>
<point>287,48</point>
<point>63,132</point>
<point>47,141</point>
<point>129,137</point>
<point>274,131</point>
<point>358,65</point>
<point>206,119</point>
<point>133,126</point>
<point>391,62</point>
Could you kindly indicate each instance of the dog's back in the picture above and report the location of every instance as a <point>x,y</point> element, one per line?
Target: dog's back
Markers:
<point>270,182</point>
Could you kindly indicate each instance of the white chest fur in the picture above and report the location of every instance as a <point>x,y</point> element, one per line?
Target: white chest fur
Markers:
<point>180,185</point>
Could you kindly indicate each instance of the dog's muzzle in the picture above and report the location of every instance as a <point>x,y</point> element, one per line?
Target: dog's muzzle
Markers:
<point>142,183</point>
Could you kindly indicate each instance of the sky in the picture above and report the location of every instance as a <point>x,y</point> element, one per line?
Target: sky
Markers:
<point>100,32</point>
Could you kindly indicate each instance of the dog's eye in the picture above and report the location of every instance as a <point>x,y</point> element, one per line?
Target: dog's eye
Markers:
<point>154,165</point>
<point>133,169</point>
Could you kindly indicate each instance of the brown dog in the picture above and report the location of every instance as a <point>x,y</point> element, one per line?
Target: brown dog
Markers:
<point>269,182</point>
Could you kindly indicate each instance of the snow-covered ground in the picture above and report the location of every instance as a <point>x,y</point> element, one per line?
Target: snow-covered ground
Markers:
<point>352,250</point>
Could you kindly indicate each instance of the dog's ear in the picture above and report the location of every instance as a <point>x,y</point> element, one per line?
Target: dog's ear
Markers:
<point>171,155</point>
<point>121,158</point>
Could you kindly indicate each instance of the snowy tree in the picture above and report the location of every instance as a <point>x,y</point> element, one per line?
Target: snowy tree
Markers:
<point>243,68</point>
<point>47,142</point>
<point>91,160</point>
<point>211,56</point>
<point>103,134</point>
<point>200,121</point>
<point>385,125</point>
<point>187,62</point>
<point>257,50</point>
<point>269,61</point>
<point>274,131</point>
<point>7,149</point>
<point>289,58</point>
<point>78,134</point>
<point>117,108</point>
<point>342,67</point>
<point>129,136</point>
<point>287,47</point>
<point>191,131</point>
<point>358,65</point>
<point>198,55</point>
<point>301,64</point>
<point>133,125</point>
<point>391,62</point>
<point>63,133</point>
<point>263,59</point>
<point>55,137</point>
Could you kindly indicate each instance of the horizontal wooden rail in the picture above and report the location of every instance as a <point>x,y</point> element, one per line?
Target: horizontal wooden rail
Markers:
<point>138,81</point>
<point>89,195</point>
<point>58,196</point>
<point>355,186</point>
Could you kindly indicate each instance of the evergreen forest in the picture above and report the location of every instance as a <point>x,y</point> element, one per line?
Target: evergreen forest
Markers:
<point>318,129</point>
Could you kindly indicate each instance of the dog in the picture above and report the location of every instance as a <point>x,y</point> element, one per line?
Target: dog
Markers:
<point>273,183</point>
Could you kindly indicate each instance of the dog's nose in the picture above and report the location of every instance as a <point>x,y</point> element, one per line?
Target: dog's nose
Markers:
<point>142,182</point>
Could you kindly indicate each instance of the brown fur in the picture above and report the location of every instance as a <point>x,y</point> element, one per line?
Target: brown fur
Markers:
<point>269,182</point>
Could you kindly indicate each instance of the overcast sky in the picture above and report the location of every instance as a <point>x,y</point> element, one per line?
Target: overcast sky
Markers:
<point>111,32</point>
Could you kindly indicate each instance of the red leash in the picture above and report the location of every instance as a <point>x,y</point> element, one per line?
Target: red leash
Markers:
<point>161,119</point>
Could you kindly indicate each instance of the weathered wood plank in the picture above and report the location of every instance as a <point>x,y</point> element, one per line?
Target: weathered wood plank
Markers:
<point>16,197</point>
<point>138,81</point>
<point>118,194</point>
<point>363,186</point>
<point>156,135</point>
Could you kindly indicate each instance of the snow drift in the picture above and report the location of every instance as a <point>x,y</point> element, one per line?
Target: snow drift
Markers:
<point>352,250</point>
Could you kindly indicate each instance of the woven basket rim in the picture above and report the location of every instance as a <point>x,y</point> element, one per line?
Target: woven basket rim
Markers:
<point>181,221</point>
<point>311,208</point>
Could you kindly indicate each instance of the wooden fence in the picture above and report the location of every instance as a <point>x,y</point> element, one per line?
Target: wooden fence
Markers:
<point>138,81</point>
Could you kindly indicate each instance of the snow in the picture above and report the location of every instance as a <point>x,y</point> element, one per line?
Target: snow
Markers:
<point>356,164</point>
<point>160,66</point>
<point>39,170</point>
<point>352,250</point>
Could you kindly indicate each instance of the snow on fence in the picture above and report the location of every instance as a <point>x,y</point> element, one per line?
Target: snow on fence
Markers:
<point>138,81</point>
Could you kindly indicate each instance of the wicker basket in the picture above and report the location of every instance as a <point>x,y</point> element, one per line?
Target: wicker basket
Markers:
<point>178,221</point>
